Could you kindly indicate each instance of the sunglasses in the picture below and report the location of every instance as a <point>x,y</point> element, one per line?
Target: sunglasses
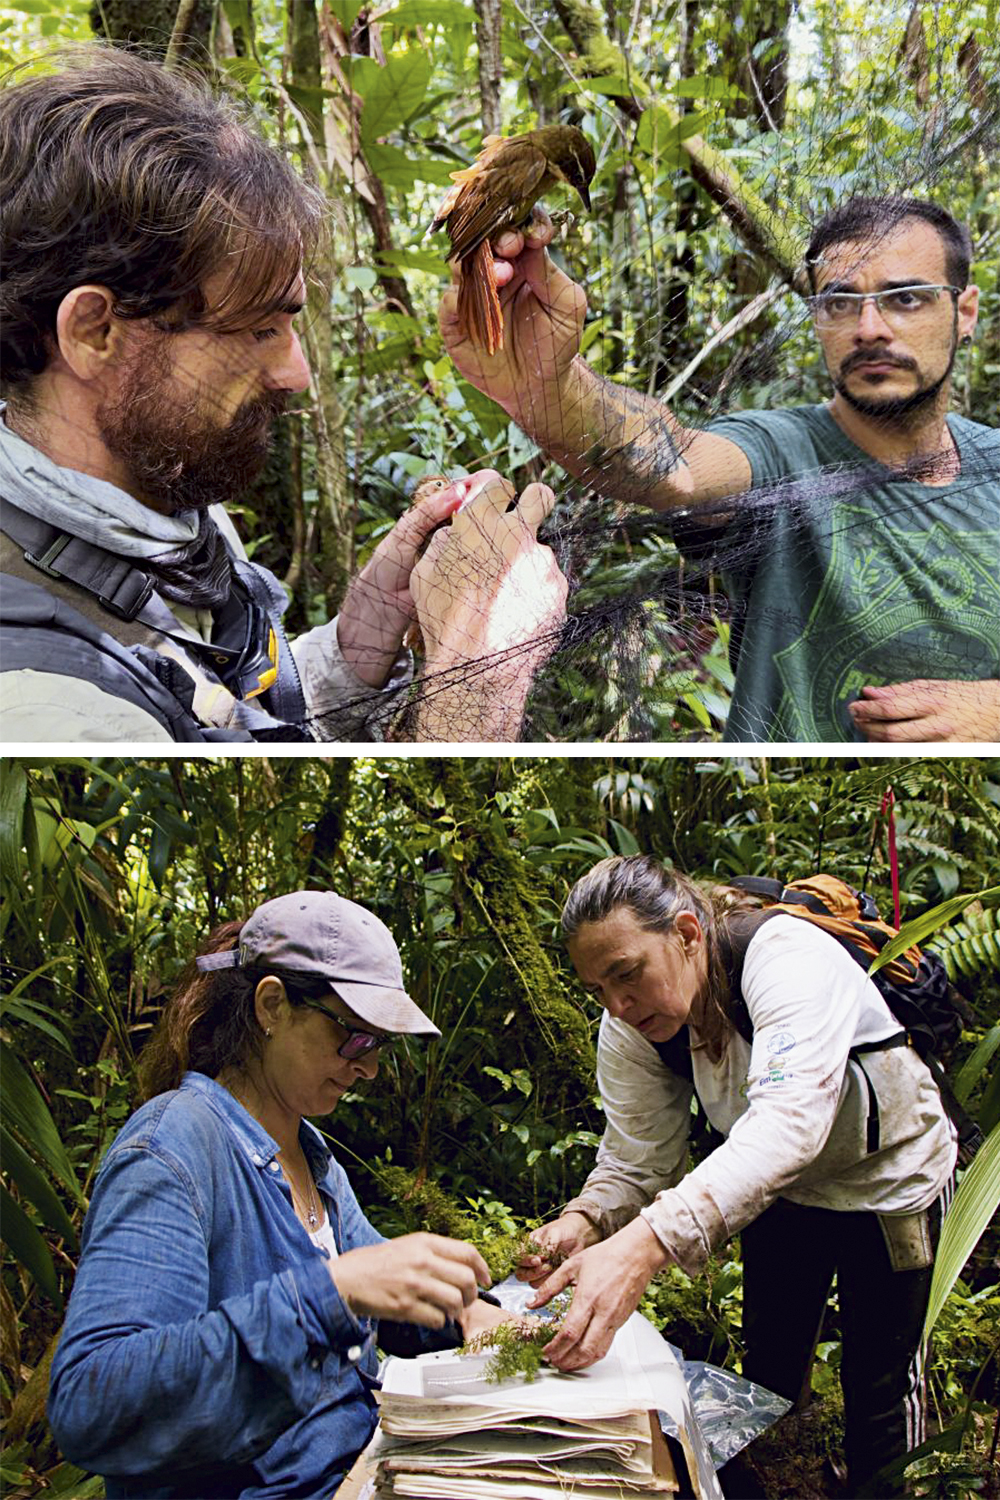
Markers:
<point>360,1040</point>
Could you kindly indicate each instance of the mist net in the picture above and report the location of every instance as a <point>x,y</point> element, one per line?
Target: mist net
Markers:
<point>807,570</point>
<point>825,570</point>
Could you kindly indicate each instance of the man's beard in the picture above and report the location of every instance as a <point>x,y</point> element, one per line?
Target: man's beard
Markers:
<point>902,411</point>
<point>174,456</point>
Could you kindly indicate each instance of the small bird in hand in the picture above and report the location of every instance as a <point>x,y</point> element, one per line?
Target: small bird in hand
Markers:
<point>498,192</point>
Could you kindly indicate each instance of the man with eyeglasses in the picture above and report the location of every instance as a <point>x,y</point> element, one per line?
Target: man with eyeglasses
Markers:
<point>858,538</point>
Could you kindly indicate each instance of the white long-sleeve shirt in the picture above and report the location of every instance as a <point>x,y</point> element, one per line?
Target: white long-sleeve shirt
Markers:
<point>794,1108</point>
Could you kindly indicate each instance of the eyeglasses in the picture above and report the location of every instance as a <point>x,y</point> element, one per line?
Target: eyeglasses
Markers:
<point>360,1040</point>
<point>900,304</point>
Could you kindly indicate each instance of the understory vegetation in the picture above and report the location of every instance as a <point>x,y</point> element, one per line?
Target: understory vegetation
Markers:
<point>113,871</point>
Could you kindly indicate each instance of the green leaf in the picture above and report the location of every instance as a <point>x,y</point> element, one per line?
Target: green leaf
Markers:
<point>395,351</point>
<point>976,1063</point>
<point>426,13</point>
<point>390,93</point>
<point>616,86</point>
<point>26,1111</point>
<point>30,7</point>
<point>13,794</point>
<point>490,419</point>
<point>159,855</point>
<point>239,14</point>
<point>976,1202</point>
<point>989,1105</point>
<point>35,1186</point>
<point>29,1012</point>
<point>661,129</point>
<point>921,927</point>
<point>70,1483</point>
<point>393,166</point>
<point>243,69</point>
<point>411,260</point>
<point>308,100</point>
<point>704,87</point>
<point>346,11</point>
<point>361,277</point>
<point>624,838</point>
<point>27,1245</point>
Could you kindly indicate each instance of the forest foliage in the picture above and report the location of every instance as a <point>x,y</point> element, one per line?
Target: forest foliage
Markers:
<point>723,131</point>
<point>114,870</point>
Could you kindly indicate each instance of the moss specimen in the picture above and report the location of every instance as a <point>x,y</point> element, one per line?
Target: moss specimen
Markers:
<point>519,1347</point>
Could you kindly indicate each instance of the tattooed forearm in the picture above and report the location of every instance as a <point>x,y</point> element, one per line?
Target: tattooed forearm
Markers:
<point>636,448</point>
<point>621,443</point>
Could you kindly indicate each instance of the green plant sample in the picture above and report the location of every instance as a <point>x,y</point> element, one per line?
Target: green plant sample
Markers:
<point>519,1346</point>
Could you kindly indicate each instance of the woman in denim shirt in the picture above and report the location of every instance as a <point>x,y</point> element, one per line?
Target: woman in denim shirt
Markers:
<point>220,1339</point>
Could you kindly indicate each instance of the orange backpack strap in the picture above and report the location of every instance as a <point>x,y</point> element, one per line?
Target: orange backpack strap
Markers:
<point>849,916</point>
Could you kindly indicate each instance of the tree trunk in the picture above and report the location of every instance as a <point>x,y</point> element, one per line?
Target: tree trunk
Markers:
<point>150,24</point>
<point>496,880</point>
<point>764,79</point>
<point>329,830</point>
<point>488,26</point>
<point>366,186</point>
<point>304,63</point>
<point>673,346</point>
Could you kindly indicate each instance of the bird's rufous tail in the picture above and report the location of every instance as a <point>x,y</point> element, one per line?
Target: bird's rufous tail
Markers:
<point>479,314</point>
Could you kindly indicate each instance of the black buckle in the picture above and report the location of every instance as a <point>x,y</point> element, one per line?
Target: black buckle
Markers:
<point>141,587</point>
<point>131,594</point>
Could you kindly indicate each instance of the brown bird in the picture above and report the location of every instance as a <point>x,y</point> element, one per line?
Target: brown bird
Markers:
<point>497,193</point>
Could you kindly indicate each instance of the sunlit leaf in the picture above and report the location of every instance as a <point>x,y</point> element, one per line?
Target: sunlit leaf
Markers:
<point>390,92</point>
<point>976,1202</point>
<point>929,921</point>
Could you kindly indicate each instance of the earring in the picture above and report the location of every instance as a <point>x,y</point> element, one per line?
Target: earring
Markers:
<point>267,1032</point>
<point>966,338</point>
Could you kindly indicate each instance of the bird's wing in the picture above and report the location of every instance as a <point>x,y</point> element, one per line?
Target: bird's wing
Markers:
<point>491,194</point>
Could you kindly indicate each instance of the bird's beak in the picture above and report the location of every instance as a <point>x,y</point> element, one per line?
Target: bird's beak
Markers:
<point>584,192</point>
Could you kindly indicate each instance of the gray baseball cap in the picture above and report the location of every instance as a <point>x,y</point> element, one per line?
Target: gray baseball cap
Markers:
<point>323,935</point>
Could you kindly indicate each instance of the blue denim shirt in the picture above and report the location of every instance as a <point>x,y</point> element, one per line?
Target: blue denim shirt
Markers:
<point>206,1351</point>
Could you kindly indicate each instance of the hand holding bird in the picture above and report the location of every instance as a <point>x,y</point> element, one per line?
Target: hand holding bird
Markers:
<point>543,311</point>
<point>497,193</point>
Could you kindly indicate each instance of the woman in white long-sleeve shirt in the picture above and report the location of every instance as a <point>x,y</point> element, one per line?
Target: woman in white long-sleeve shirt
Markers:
<point>796,1175</point>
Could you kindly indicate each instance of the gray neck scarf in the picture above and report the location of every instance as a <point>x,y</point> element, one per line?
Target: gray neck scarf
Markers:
<point>185,552</point>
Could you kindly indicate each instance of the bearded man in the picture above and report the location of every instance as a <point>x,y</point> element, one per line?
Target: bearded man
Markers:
<point>153,252</point>
<point>859,539</point>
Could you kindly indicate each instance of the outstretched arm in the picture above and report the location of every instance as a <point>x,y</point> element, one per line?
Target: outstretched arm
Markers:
<point>622,443</point>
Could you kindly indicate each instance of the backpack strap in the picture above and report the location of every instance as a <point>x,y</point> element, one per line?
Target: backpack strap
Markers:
<point>735,939</point>
<point>40,631</point>
<point>98,583</point>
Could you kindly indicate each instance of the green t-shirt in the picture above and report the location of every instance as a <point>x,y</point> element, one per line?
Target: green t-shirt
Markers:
<point>840,574</point>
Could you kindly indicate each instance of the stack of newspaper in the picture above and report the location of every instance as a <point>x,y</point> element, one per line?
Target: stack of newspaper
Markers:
<point>447,1434</point>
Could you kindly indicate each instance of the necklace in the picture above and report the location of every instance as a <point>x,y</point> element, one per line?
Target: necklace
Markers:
<point>308,1211</point>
